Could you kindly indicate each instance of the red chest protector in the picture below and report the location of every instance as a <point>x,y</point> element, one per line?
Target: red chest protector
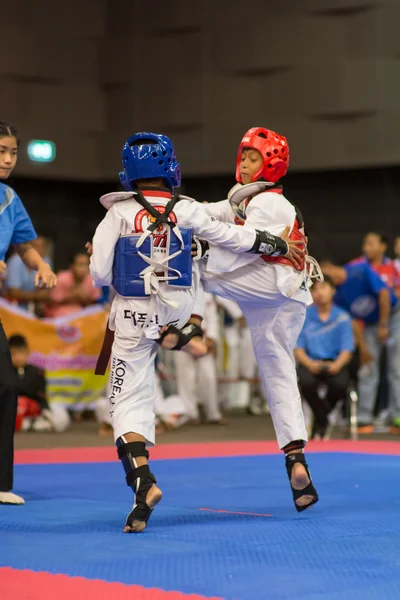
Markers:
<point>297,233</point>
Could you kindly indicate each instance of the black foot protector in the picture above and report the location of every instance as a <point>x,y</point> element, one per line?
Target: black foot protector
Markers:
<point>309,490</point>
<point>189,331</point>
<point>142,482</point>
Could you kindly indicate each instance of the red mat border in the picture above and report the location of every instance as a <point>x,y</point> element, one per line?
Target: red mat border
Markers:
<point>198,450</point>
<point>18,584</point>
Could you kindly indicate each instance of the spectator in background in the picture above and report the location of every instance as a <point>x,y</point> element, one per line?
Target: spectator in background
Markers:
<point>20,280</point>
<point>374,306</point>
<point>74,289</point>
<point>34,411</point>
<point>374,250</point>
<point>324,350</point>
<point>396,249</point>
<point>196,378</point>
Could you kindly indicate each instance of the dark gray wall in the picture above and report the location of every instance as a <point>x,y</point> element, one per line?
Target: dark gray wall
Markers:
<point>87,73</point>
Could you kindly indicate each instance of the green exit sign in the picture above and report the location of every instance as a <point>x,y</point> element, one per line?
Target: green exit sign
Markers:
<point>41,151</point>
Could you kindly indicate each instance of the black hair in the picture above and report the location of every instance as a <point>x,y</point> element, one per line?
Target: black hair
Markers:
<point>327,260</point>
<point>8,130</point>
<point>382,238</point>
<point>329,281</point>
<point>17,341</point>
<point>75,254</point>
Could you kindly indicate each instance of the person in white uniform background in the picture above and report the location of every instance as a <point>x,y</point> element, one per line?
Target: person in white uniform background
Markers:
<point>239,365</point>
<point>197,379</point>
<point>143,249</point>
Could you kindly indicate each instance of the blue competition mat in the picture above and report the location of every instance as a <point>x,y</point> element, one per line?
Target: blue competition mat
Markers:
<point>346,547</point>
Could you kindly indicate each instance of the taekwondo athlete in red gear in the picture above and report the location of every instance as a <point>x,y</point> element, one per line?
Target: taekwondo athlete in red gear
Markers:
<point>271,293</point>
<point>143,249</point>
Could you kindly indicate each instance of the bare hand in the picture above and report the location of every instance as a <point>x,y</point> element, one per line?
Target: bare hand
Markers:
<point>211,346</point>
<point>315,366</point>
<point>296,251</point>
<point>333,368</point>
<point>3,267</point>
<point>383,334</point>
<point>45,278</point>
<point>89,248</point>
<point>365,357</point>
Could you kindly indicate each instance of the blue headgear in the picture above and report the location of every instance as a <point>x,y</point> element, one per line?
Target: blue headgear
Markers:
<point>154,157</point>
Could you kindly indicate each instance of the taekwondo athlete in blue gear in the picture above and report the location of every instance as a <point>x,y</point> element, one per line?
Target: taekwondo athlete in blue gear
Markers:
<point>141,248</point>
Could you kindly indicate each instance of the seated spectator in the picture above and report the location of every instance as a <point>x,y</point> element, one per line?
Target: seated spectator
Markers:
<point>74,289</point>
<point>324,350</point>
<point>34,411</point>
<point>20,281</point>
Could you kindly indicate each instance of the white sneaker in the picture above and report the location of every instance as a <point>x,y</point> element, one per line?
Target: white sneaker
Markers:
<point>10,498</point>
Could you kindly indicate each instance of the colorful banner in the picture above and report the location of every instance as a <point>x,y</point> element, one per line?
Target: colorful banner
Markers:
<point>66,348</point>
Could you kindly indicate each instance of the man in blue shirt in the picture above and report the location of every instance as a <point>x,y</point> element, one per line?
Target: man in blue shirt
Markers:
<point>374,306</point>
<point>323,351</point>
<point>15,228</point>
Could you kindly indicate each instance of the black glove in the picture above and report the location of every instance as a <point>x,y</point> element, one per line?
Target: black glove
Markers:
<point>200,248</point>
<point>269,244</point>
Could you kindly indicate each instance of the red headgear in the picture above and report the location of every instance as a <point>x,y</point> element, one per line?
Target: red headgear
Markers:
<point>274,150</point>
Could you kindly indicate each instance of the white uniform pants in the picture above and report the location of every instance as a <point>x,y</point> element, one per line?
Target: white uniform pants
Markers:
<point>197,384</point>
<point>275,322</point>
<point>274,332</point>
<point>132,376</point>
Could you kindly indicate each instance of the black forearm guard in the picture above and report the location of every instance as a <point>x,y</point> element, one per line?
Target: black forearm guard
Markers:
<point>269,244</point>
<point>189,331</point>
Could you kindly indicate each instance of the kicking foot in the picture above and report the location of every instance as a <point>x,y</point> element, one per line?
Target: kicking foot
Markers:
<point>299,481</point>
<point>10,498</point>
<point>137,519</point>
<point>304,492</point>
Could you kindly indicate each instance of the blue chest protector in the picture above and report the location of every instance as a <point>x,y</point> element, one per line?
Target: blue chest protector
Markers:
<point>128,277</point>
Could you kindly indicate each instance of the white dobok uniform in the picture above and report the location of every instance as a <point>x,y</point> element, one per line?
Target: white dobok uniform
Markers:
<point>137,320</point>
<point>273,299</point>
<point>197,378</point>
